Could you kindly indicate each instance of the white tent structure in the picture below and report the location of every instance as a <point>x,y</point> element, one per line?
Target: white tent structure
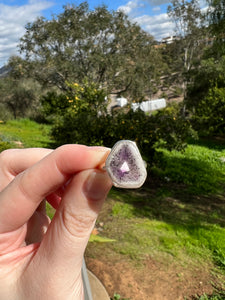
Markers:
<point>149,105</point>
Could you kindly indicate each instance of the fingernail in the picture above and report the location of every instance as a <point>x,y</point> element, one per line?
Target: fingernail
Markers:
<point>100,148</point>
<point>103,152</point>
<point>97,185</point>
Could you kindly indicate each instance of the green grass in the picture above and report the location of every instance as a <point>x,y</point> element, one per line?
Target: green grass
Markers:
<point>199,168</point>
<point>117,297</point>
<point>178,216</point>
<point>25,133</point>
<point>217,295</point>
<point>187,238</point>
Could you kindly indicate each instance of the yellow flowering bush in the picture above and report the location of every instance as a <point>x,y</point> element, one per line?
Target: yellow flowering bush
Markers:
<point>82,117</point>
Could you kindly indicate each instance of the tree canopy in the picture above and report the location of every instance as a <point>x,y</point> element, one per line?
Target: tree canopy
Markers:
<point>103,46</point>
<point>216,18</point>
<point>188,20</point>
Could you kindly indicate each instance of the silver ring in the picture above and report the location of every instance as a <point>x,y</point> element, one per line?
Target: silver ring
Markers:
<point>125,165</point>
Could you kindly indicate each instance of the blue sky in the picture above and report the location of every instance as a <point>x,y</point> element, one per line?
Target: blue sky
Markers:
<point>15,14</point>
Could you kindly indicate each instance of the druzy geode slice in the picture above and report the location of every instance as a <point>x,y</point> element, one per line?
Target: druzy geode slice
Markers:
<point>125,165</point>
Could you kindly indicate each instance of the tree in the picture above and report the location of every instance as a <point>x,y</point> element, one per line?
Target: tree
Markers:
<point>18,95</point>
<point>102,46</point>
<point>206,96</point>
<point>18,99</point>
<point>216,18</point>
<point>206,90</point>
<point>188,21</point>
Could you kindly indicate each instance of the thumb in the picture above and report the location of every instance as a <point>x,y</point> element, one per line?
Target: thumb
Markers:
<point>59,257</point>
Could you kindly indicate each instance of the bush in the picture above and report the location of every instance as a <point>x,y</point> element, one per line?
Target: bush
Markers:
<point>206,97</point>
<point>209,118</point>
<point>53,104</point>
<point>5,113</point>
<point>166,128</point>
<point>80,116</point>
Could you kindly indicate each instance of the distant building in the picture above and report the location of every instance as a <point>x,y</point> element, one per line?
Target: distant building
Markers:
<point>170,39</point>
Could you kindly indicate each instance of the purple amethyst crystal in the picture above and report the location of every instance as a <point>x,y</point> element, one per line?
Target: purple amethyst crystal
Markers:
<point>125,165</point>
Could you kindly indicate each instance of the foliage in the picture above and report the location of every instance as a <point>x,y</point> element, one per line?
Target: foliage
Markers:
<point>188,21</point>
<point>18,96</point>
<point>5,113</point>
<point>206,97</point>
<point>210,116</point>
<point>216,18</point>
<point>103,46</point>
<point>174,130</point>
<point>53,104</point>
<point>84,119</point>
<point>118,297</point>
<point>189,29</point>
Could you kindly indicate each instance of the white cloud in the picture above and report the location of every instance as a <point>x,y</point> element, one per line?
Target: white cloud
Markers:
<point>156,8</point>
<point>12,24</point>
<point>132,7</point>
<point>129,7</point>
<point>159,26</point>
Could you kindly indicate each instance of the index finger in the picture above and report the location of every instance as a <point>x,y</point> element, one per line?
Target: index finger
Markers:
<point>21,197</point>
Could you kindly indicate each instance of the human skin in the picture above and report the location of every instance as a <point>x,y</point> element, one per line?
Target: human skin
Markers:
<point>39,258</point>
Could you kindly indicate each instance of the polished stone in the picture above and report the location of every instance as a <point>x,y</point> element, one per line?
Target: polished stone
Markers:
<point>125,165</point>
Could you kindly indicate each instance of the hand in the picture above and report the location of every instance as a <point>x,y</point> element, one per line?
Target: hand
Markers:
<point>40,259</point>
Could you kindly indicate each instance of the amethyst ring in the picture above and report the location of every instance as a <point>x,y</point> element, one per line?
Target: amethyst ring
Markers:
<point>125,165</point>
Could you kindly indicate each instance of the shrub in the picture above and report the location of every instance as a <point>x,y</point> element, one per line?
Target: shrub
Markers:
<point>53,104</point>
<point>206,97</point>
<point>209,117</point>
<point>82,117</point>
<point>5,113</point>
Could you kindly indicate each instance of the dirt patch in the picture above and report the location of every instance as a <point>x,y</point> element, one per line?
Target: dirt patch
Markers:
<point>150,281</point>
